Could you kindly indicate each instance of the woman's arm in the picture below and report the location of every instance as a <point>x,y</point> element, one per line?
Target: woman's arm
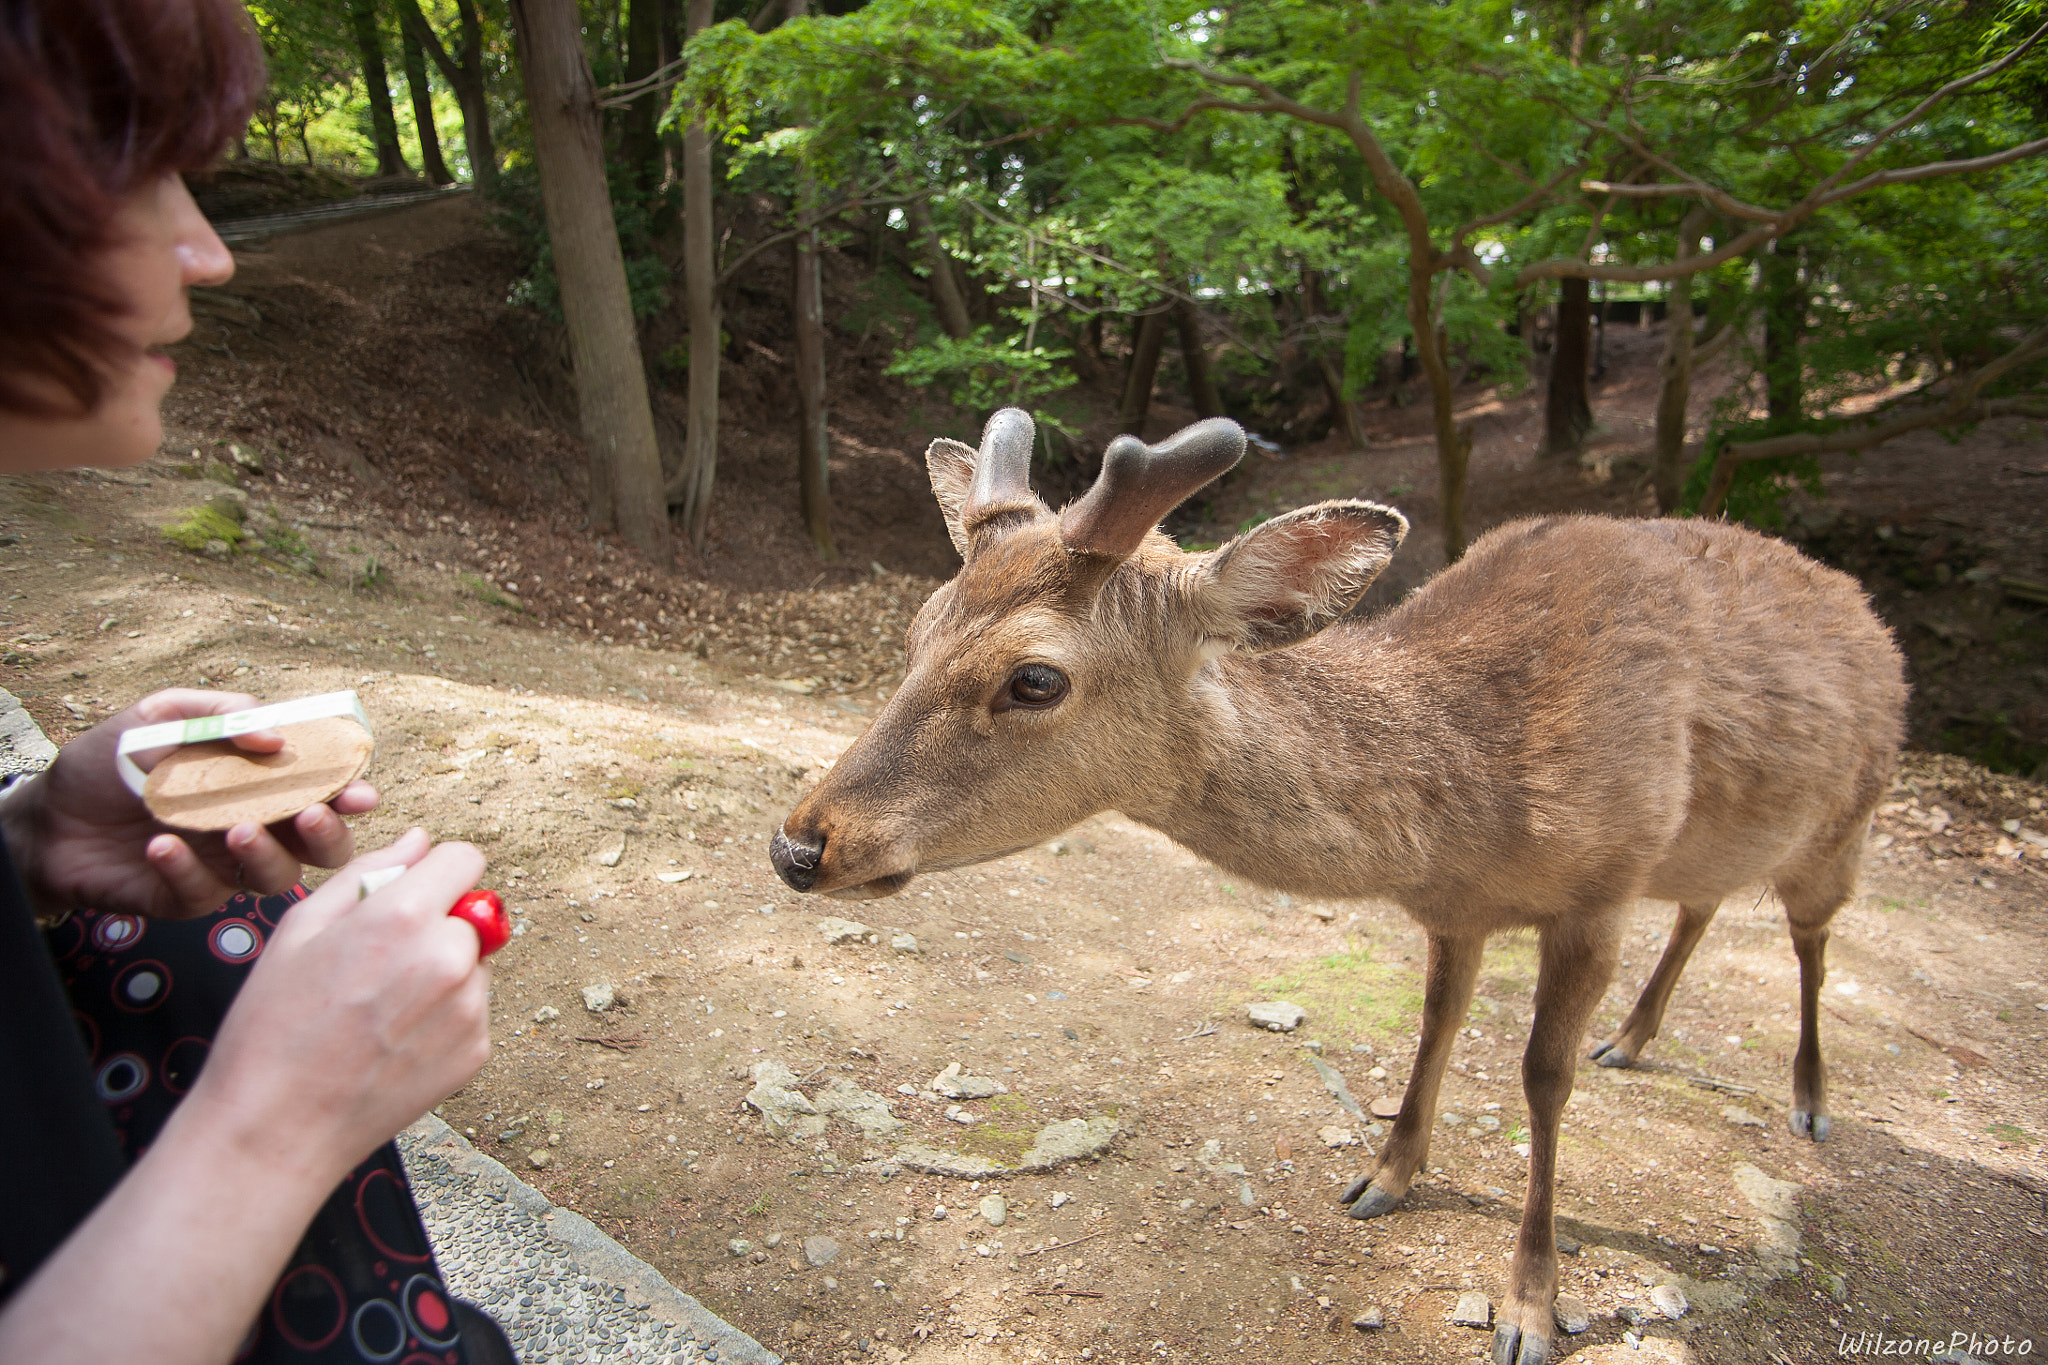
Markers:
<point>357,1019</point>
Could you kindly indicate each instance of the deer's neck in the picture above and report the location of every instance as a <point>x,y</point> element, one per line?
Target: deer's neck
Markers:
<point>1328,769</point>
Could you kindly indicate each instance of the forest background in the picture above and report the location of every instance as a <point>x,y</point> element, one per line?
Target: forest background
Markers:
<point>1285,212</point>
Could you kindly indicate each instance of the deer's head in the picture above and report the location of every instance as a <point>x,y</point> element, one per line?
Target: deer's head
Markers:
<point>1057,675</point>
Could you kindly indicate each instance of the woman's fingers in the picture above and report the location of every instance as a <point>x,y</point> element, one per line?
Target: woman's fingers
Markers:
<point>193,885</point>
<point>340,893</point>
<point>435,880</point>
<point>355,798</point>
<point>318,836</point>
<point>267,866</point>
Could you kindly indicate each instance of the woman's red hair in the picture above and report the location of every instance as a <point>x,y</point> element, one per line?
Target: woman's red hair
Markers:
<point>97,99</point>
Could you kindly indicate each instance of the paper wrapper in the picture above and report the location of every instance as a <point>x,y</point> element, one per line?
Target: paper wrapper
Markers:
<point>207,783</point>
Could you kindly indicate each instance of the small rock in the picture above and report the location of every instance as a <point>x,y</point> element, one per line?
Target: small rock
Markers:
<point>904,943</point>
<point>1450,1120</point>
<point>1386,1107</point>
<point>1487,1123</point>
<point>1337,1137</point>
<point>1473,1310</point>
<point>784,1109</point>
<point>820,1250</point>
<point>772,1240</point>
<point>1371,1320</point>
<point>608,853</point>
<point>1670,1300</point>
<point>739,1246</point>
<point>995,1210</point>
<point>1740,1117</point>
<point>1280,1016</point>
<point>1572,1314</point>
<point>545,1013</point>
<point>955,1086</point>
<point>1837,1287</point>
<point>837,930</point>
<point>1060,1199</point>
<point>1325,913</point>
<point>539,1158</point>
<point>597,999</point>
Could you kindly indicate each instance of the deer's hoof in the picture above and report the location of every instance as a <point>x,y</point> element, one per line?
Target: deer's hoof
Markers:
<point>1612,1053</point>
<point>1517,1341</point>
<point>1810,1125</point>
<point>1370,1200</point>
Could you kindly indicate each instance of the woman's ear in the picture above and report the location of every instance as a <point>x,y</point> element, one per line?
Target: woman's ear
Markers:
<point>1286,579</point>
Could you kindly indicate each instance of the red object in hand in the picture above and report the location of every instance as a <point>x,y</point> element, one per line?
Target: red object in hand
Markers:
<point>485,914</point>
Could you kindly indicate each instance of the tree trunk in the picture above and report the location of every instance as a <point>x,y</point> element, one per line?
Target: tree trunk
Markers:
<point>423,109</point>
<point>383,123</point>
<point>1667,463</point>
<point>692,486</point>
<point>1194,357</point>
<point>1145,349</point>
<point>1568,405</point>
<point>466,79</point>
<point>640,143</point>
<point>1343,412</point>
<point>947,297</point>
<point>604,347</point>
<point>1784,322</point>
<point>813,448</point>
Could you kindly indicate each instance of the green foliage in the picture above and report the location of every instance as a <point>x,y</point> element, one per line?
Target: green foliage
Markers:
<point>984,372</point>
<point>1379,999</point>
<point>212,528</point>
<point>373,577</point>
<point>487,592</point>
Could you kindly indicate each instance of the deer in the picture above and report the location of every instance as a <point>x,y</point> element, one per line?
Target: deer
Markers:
<point>1580,713</point>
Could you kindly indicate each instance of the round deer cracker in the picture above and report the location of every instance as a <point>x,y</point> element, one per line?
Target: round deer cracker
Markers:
<point>214,785</point>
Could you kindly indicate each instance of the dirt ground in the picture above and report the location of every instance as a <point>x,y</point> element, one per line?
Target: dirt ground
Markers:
<point>623,761</point>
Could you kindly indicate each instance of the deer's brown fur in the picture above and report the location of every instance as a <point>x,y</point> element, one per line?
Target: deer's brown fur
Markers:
<point>1581,713</point>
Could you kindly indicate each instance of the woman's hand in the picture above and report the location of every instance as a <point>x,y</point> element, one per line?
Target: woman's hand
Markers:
<point>358,1018</point>
<point>78,836</point>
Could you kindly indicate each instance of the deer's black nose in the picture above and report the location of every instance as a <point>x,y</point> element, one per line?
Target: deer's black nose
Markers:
<point>795,863</point>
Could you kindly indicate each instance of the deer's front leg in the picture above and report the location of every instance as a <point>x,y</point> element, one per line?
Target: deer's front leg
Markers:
<point>1447,994</point>
<point>1577,960</point>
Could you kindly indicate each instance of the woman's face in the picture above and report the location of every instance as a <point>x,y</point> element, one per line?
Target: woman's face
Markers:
<point>162,246</point>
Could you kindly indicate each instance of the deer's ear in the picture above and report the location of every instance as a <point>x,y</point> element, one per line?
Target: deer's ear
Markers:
<point>952,470</point>
<point>1284,580</point>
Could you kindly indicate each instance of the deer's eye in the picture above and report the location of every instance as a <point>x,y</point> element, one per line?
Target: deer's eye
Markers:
<point>1037,685</point>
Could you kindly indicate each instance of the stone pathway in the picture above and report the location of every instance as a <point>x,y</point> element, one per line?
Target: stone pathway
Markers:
<point>566,1293</point>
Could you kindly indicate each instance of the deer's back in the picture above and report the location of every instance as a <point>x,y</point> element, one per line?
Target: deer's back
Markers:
<point>1690,699</point>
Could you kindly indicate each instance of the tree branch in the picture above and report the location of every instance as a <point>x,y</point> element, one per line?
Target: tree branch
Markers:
<point>1912,116</point>
<point>1719,198</point>
<point>1960,408</point>
<point>1562,267</point>
<point>619,96</point>
<point>803,225</point>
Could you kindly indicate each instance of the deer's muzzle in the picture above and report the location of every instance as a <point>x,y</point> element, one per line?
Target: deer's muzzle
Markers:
<point>796,864</point>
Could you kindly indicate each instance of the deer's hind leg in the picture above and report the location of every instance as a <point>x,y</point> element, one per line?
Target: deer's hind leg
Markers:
<point>1812,895</point>
<point>1647,1017</point>
<point>1447,994</point>
<point>1576,963</point>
